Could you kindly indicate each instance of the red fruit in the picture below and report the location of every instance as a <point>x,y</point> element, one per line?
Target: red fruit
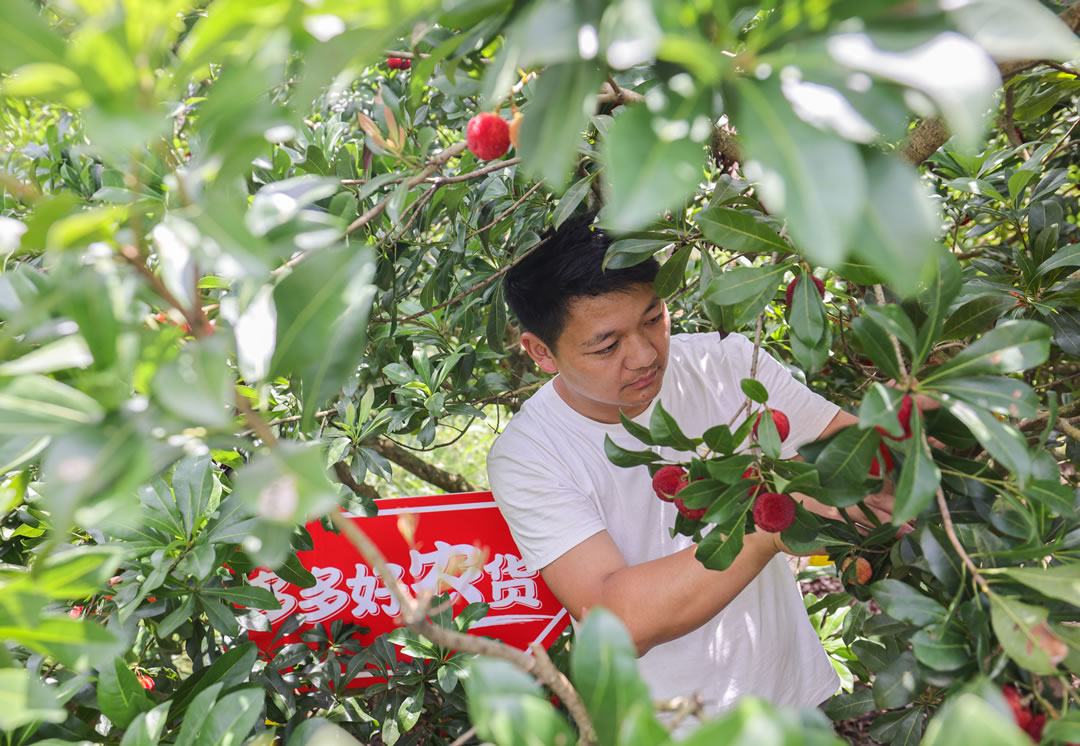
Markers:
<point>146,681</point>
<point>774,511</point>
<point>488,136</point>
<point>789,294</point>
<point>783,426</point>
<point>397,63</point>
<point>907,404</point>
<point>693,515</point>
<point>114,580</point>
<point>1035,727</point>
<point>752,473</point>
<point>886,457</point>
<point>76,612</point>
<point>1021,714</point>
<point>668,481</point>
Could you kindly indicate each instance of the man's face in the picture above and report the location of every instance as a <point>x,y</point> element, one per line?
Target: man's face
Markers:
<point>612,354</point>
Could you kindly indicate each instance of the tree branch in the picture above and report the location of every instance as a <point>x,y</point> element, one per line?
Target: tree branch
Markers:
<point>414,614</point>
<point>344,475</point>
<point>414,465</point>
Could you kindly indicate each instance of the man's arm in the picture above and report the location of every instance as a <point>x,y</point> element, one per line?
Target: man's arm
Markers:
<point>659,600</point>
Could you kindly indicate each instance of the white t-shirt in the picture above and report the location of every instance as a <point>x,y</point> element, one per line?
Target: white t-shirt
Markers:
<point>556,488</point>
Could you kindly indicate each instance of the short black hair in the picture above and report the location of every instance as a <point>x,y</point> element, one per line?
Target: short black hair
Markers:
<point>567,265</point>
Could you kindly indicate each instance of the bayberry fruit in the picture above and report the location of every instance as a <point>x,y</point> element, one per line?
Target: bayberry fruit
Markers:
<point>398,63</point>
<point>789,294</point>
<point>783,426</point>
<point>886,458</point>
<point>752,473</point>
<point>693,515</point>
<point>76,612</point>
<point>907,404</point>
<point>863,570</point>
<point>146,681</point>
<point>774,512</point>
<point>488,136</point>
<point>668,481</point>
<point>1021,714</point>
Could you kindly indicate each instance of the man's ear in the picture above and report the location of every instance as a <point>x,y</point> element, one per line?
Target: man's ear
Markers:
<point>539,352</point>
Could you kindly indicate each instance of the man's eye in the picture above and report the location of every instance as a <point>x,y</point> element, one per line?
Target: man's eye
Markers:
<point>655,319</point>
<point>609,349</point>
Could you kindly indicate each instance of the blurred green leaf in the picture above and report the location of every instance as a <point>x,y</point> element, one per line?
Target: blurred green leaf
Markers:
<point>1010,347</point>
<point>120,695</point>
<point>508,707</point>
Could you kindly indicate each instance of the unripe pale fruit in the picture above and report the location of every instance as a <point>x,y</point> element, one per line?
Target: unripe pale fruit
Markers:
<point>789,294</point>
<point>903,416</point>
<point>668,481</point>
<point>515,128</point>
<point>863,571</point>
<point>693,515</point>
<point>774,512</point>
<point>488,136</point>
<point>783,426</point>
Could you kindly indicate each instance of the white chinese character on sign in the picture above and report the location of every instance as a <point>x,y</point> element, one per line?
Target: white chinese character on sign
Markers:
<point>274,584</point>
<point>511,582</point>
<point>323,600</point>
<point>451,567</point>
<point>369,590</point>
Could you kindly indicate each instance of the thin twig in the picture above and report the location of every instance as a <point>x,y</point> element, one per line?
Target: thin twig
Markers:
<point>255,420</point>
<point>460,740</point>
<point>196,320</point>
<point>507,211</point>
<point>950,531</point>
<point>1064,141</point>
<point>414,614</point>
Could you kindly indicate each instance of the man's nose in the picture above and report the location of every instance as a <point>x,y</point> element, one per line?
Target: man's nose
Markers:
<point>642,354</point>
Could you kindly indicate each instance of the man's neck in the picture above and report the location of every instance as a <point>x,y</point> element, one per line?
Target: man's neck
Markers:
<point>596,411</point>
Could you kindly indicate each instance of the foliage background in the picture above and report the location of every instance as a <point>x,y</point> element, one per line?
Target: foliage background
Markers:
<point>248,270</point>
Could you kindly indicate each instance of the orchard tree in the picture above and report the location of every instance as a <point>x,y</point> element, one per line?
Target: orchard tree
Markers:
<point>252,263</point>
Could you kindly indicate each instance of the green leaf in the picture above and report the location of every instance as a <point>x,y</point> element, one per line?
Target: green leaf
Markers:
<point>901,601</point>
<point>672,272</point>
<point>286,484</point>
<point>1065,728</point>
<point>846,459</point>
<point>745,283</point>
<point>1067,256</point>
<point>248,596</point>
<point>552,130</point>
<point>880,408</point>
<point>120,696</point>
<point>322,309</point>
<point>1010,347</point>
<point>649,168</point>
<point>147,727</point>
<point>1015,30</point>
<point>193,486</point>
<point>196,714</point>
<point>26,699</point>
<point>967,718</point>
<point>1006,396</point>
<point>665,431</point>
<point>1059,581</point>
<point>232,668</point>
<point>196,387</point>
<point>900,222</point>
<point>507,706</point>
<point>1057,497</point>
<point>603,668</point>
<point>75,643</point>
<point>232,718</point>
<point>627,252</point>
<point>897,683</point>
<point>734,230</point>
<point>934,297</point>
<point>571,199</point>
<point>37,405</point>
<point>919,477</point>
<point>876,344</point>
<point>942,647</point>
<point>754,389</point>
<point>622,457</point>
<point>976,315</point>
<point>719,548</point>
<point>808,316</point>
<point>638,431</point>
<point>892,319</point>
<point>1003,441</point>
<point>1023,631</point>
<point>850,705</point>
<point>25,37</point>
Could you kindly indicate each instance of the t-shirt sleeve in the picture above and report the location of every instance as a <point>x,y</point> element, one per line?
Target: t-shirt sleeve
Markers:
<point>548,516</point>
<point>809,412</point>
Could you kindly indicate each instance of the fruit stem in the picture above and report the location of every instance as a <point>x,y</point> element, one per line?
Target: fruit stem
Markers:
<point>905,379</point>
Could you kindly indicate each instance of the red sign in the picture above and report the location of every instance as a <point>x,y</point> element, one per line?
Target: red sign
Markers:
<point>459,544</point>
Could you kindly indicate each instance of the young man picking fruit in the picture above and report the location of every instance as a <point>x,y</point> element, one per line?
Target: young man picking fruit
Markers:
<point>596,532</point>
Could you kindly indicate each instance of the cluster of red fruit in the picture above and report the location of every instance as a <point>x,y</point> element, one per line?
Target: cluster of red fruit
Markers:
<point>489,136</point>
<point>1029,723</point>
<point>773,511</point>
<point>398,63</point>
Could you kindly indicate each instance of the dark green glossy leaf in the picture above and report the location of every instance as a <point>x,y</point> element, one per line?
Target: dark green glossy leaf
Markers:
<point>897,683</point>
<point>901,601</point>
<point>754,390</point>
<point>672,272</point>
<point>120,696</point>
<point>1006,396</point>
<point>919,477</point>
<point>622,457</point>
<point>745,284</point>
<point>735,230</point>
<point>976,316</point>
<point>719,548</point>
<point>1010,347</point>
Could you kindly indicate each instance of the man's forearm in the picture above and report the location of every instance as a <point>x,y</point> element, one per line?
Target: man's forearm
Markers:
<point>666,598</point>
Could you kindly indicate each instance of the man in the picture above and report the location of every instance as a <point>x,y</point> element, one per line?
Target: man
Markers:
<point>596,532</point>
